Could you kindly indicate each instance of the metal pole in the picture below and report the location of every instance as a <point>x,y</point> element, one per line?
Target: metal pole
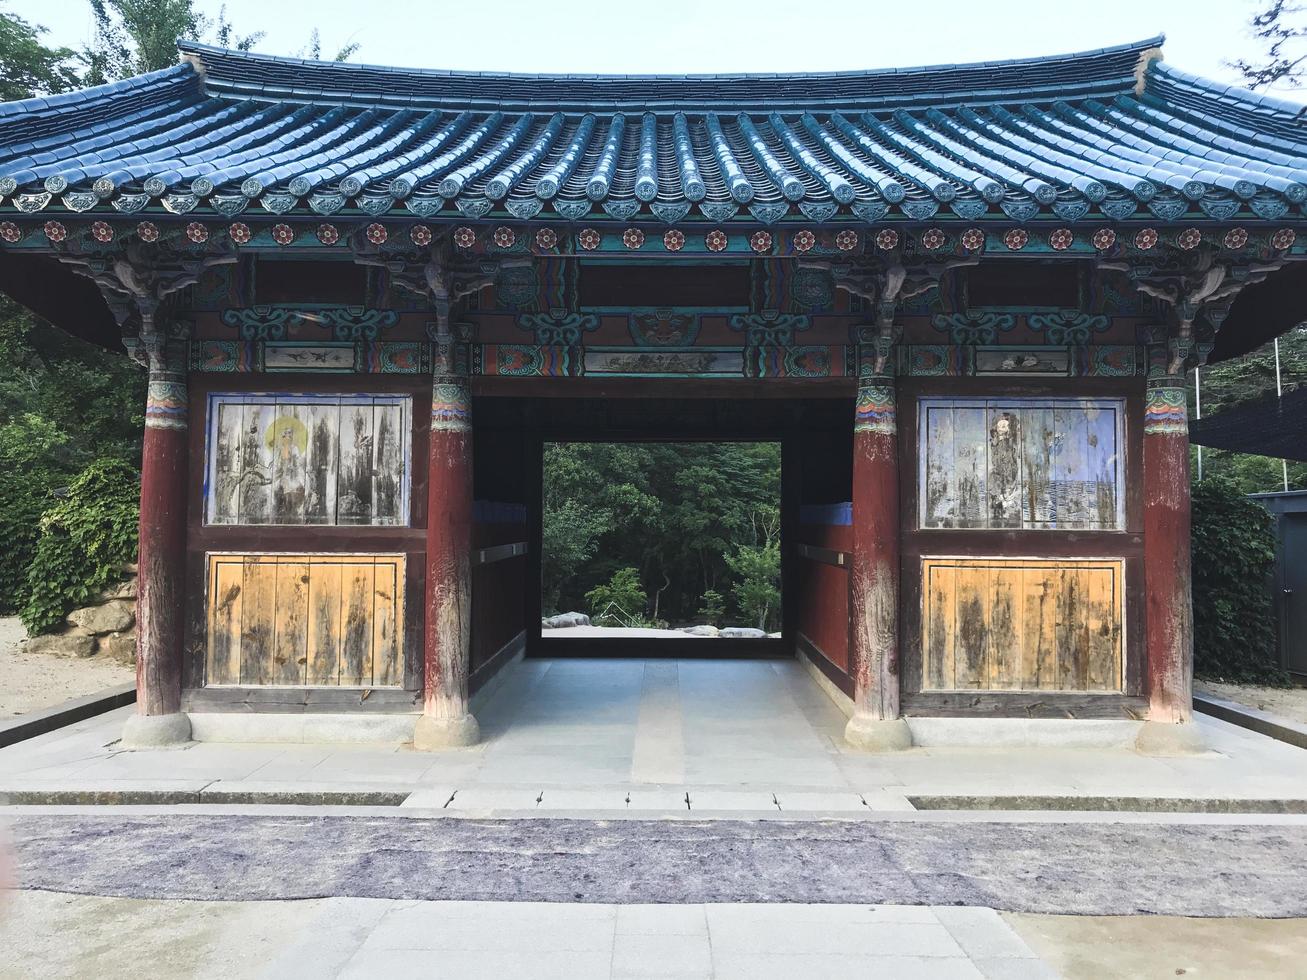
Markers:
<point>1198,408</point>
<point>1279,393</point>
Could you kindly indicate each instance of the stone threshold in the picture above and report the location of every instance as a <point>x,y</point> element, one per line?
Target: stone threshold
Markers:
<point>13,730</point>
<point>1261,722</point>
<point>1111,804</point>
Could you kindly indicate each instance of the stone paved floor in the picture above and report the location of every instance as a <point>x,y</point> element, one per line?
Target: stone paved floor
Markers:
<point>637,737</point>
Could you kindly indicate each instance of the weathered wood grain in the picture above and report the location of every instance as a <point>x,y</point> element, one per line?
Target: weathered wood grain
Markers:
<point>1022,624</point>
<point>292,620</point>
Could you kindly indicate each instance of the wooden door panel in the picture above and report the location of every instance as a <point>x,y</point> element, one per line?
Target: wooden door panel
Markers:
<point>295,620</point>
<point>1022,624</point>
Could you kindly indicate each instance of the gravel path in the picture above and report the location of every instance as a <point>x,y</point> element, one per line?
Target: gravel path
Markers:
<point>1085,869</point>
<point>29,681</point>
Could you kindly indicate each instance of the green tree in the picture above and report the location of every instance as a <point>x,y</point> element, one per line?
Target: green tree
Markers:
<point>757,589</point>
<point>1233,553</point>
<point>28,67</point>
<point>1280,31</point>
<point>619,602</point>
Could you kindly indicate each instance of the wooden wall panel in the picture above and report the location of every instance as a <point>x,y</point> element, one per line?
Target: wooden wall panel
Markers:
<point>319,459</point>
<point>295,620</point>
<point>997,624</point>
<point>1022,463</point>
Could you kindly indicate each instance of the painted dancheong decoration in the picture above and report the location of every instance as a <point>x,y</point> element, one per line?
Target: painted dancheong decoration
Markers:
<point>999,272</point>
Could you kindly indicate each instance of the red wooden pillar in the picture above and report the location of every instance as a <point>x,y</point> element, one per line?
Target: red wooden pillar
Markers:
<point>445,719</point>
<point>874,656</point>
<point>162,544</point>
<point>1169,629</point>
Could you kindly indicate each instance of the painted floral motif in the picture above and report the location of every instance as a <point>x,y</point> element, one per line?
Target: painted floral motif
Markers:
<point>1284,238</point>
<point>1146,239</point>
<point>504,237</point>
<point>283,234</point>
<point>420,235</point>
<point>804,240</point>
<point>10,232</point>
<point>1189,239</point>
<point>148,231</point>
<point>464,237</point>
<point>847,240</point>
<point>1104,239</point>
<point>1236,238</point>
<point>1016,239</point>
<point>55,231</point>
<point>376,233</point>
<point>932,238</point>
<point>197,232</point>
<point>716,240</point>
<point>1060,239</point>
<point>633,238</point>
<point>546,238</point>
<point>973,239</point>
<point>673,240</point>
<point>328,234</point>
<point>589,239</point>
<point>760,241</point>
<point>101,231</point>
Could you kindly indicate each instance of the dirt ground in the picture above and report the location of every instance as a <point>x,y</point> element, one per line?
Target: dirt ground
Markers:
<point>1288,703</point>
<point>30,681</point>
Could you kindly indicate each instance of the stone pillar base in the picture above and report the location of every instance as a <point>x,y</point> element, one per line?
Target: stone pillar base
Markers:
<point>877,734</point>
<point>1170,738</point>
<point>156,731</point>
<point>433,734</point>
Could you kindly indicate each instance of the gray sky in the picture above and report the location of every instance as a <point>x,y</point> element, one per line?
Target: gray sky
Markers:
<point>715,35</point>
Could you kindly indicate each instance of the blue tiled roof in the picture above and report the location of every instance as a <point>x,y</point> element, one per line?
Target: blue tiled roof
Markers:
<point>1109,134</point>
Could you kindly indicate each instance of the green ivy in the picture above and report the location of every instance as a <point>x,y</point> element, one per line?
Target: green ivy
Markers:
<point>85,539</point>
<point>1233,554</point>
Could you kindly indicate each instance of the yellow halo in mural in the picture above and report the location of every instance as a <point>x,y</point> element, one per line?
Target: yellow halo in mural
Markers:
<point>287,427</point>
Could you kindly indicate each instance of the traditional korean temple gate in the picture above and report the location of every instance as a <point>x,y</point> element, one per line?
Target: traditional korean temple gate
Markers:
<point>965,297</point>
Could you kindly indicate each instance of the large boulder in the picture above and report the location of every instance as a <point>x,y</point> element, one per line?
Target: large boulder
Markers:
<point>112,617</point>
<point>742,633</point>
<point>71,643</point>
<point>123,590</point>
<point>701,630</point>
<point>118,646</point>
<point>564,620</point>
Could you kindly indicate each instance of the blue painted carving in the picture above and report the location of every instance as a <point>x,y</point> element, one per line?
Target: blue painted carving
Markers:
<point>276,203</point>
<point>525,208</point>
<point>1019,209</point>
<point>920,210</point>
<point>424,205</point>
<point>1219,207</point>
<point>622,210</point>
<point>718,211</point>
<point>374,205</point>
<point>346,323</point>
<point>226,205</point>
<point>663,328</point>
<point>572,210</point>
<point>1071,210</point>
<point>769,213</point>
<point>31,203</point>
<point>813,289</point>
<point>1168,207</point>
<point>80,201</point>
<point>474,207</point>
<point>517,286</point>
<point>1118,208</point>
<point>326,203</point>
<point>817,211</point>
<point>969,209</point>
<point>870,211</point>
<point>670,213</point>
<point>770,329</point>
<point>1067,326</point>
<point>1268,206</point>
<point>558,327</point>
<point>973,327</point>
